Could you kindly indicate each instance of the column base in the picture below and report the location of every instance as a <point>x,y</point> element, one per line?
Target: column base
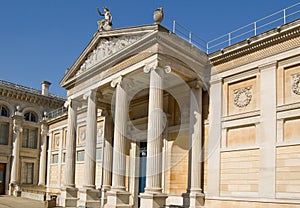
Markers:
<point>117,199</point>
<point>15,190</point>
<point>104,190</point>
<point>153,200</point>
<point>68,197</point>
<point>195,199</point>
<point>89,198</point>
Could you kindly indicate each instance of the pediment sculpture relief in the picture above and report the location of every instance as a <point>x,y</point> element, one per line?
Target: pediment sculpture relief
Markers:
<point>105,48</point>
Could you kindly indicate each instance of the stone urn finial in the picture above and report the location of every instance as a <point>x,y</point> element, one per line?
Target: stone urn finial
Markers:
<point>158,15</point>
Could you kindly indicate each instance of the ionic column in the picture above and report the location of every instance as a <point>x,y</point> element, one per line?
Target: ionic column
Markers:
<point>118,196</point>
<point>69,192</point>
<point>195,137</point>
<point>107,157</point>
<point>120,131</point>
<point>91,140</point>
<point>89,195</point>
<point>154,141</point>
<point>17,136</point>
<point>43,153</point>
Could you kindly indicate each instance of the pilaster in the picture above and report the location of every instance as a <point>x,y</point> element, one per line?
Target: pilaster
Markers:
<point>213,160</point>
<point>196,196</point>
<point>268,129</point>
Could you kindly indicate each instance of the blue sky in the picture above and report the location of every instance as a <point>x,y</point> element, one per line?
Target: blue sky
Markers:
<point>40,39</point>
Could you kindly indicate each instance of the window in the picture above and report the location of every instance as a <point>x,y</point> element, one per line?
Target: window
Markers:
<point>80,156</point>
<point>27,173</point>
<point>54,158</point>
<point>4,133</point>
<point>4,111</point>
<point>99,154</point>
<point>29,139</point>
<point>30,117</point>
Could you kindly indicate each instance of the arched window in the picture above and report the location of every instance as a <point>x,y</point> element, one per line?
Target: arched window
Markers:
<point>30,116</point>
<point>4,111</point>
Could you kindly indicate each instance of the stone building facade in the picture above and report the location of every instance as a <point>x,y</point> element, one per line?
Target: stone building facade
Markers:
<point>177,126</point>
<point>24,131</point>
<point>152,121</point>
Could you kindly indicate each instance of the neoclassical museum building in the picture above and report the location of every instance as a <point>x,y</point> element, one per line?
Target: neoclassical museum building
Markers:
<point>152,121</point>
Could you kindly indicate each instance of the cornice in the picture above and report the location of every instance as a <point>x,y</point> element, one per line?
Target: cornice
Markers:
<point>258,43</point>
<point>31,97</point>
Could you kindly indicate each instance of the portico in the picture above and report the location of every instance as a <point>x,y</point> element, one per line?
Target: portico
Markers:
<point>140,80</point>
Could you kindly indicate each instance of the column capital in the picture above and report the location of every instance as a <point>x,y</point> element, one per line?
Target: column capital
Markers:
<point>116,81</point>
<point>270,65</point>
<point>73,103</point>
<point>154,66</point>
<point>196,84</point>
<point>90,94</point>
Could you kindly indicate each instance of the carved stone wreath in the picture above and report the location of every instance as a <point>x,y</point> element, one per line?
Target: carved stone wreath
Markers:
<point>296,84</point>
<point>242,96</point>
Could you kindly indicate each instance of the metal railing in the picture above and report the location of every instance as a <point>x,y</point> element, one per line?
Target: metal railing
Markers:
<point>274,20</point>
<point>186,34</point>
<point>57,112</point>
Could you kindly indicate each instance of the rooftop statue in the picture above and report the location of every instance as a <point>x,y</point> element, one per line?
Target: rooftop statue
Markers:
<point>106,23</point>
<point>158,15</point>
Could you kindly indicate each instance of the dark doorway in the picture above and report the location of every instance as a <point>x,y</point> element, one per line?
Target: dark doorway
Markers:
<point>143,160</point>
<point>2,177</point>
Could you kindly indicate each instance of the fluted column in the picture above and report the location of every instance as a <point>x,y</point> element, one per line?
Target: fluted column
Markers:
<point>155,130</point>
<point>17,136</point>
<point>88,194</point>
<point>43,153</point>
<point>107,158</point>
<point>90,142</point>
<point>69,192</point>
<point>71,144</point>
<point>196,195</point>
<point>120,131</point>
<point>154,140</point>
<point>117,196</point>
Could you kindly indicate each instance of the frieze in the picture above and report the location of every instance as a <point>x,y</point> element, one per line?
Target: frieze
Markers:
<point>296,84</point>
<point>242,96</point>
<point>106,48</point>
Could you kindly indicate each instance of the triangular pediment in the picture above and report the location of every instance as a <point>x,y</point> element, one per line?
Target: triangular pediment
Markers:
<point>106,45</point>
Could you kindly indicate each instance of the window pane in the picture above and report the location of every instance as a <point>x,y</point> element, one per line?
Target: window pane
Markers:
<point>4,111</point>
<point>80,156</point>
<point>32,139</point>
<point>99,154</point>
<point>4,133</point>
<point>55,158</point>
<point>29,139</point>
<point>27,173</point>
<point>25,137</point>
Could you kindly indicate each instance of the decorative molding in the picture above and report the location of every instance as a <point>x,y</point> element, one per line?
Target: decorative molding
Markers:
<point>296,84</point>
<point>90,94</point>
<point>154,66</point>
<point>116,81</point>
<point>105,48</point>
<point>242,96</point>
